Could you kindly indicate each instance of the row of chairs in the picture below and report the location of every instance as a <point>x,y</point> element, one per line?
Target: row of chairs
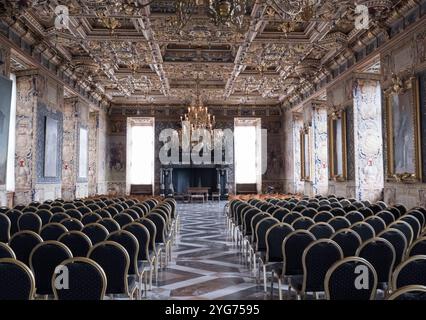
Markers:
<point>121,246</point>
<point>279,238</point>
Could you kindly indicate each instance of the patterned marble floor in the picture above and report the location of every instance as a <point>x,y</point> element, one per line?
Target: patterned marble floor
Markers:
<point>205,263</point>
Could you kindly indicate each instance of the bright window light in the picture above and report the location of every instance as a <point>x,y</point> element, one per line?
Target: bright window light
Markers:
<point>142,155</point>
<point>245,154</point>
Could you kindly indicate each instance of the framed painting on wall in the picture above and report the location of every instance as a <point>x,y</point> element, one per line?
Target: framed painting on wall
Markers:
<point>5,104</point>
<point>403,131</point>
<point>83,153</point>
<point>337,145</point>
<point>305,156</point>
<point>51,148</point>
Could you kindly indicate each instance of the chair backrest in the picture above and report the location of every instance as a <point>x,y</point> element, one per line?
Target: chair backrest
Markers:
<point>29,221</point>
<point>414,224</point>
<point>405,228</point>
<point>45,215</point>
<point>398,241</point>
<point>160,226</point>
<point>364,230</point>
<point>419,216</point>
<point>351,278</point>
<point>29,209</point>
<point>309,212</point>
<point>72,224</point>
<point>366,212</point>
<point>354,217</point>
<point>86,280</point>
<point>52,231</point>
<point>292,250</point>
<point>291,217</point>
<point>321,230</point>
<point>323,216</point>
<point>143,237</point>
<point>103,213</point>
<point>348,240</point>
<point>57,209</point>
<point>247,218</point>
<point>275,236</point>
<point>260,232</point>
<point>6,251</point>
<point>74,213</point>
<point>17,280</point>
<point>4,228</point>
<point>280,213</point>
<point>44,259</point>
<point>58,217</point>
<point>133,213</point>
<point>123,219</point>
<point>317,258</point>
<point>110,224</point>
<point>22,243</point>
<point>387,216</point>
<point>68,206</point>
<point>256,219</point>
<point>410,292</point>
<point>114,260</point>
<point>302,223</point>
<point>90,217</point>
<point>411,271</point>
<point>381,254</point>
<point>96,232</point>
<point>131,244</point>
<point>337,212</point>
<point>152,229</point>
<point>418,247</point>
<point>77,242</point>
<point>339,223</point>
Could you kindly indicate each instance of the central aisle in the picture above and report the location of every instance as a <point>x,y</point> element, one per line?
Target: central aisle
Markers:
<point>205,264</point>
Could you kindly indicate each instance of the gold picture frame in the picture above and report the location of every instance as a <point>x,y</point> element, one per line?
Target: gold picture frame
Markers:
<point>305,148</point>
<point>404,157</point>
<point>337,146</point>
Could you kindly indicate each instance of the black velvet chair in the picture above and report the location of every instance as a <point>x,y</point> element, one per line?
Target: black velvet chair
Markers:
<point>410,272</point>
<point>395,211</point>
<point>4,228</point>
<point>110,224</point>
<point>271,209</point>
<point>341,280</point>
<point>74,214</point>
<point>29,209</point>
<point>339,223</point>
<point>364,230</point>
<point>17,280</point>
<point>321,230</point>
<point>387,216</point>
<point>44,206</point>
<point>152,229</point>
<point>354,217</point>
<point>291,217</point>
<point>398,241</point>
<point>58,217</point>
<point>114,260</point>
<point>405,228</point>
<point>280,213</point>
<point>94,207</point>
<point>139,211</point>
<point>419,216</point>
<point>317,258</point>
<point>309,212</point>
<point>22,243</point>
<point>302,223</point>
<point>348,240</point>
<point>293,247</point>
<point>96,232</point>
<point>69,206</point>
<point>83,210</point>
<point>418,247</point>
<point>247,230</point>
<point>161,237</point>
<point>77,242</point>
<point>6,251</point>
<point>87,280</point>
<point>123,219</point>
<point>414,224</point>
<point>72,224</point>
<point>45,215</point>
<point>377,223</point>
<point>337,212</point>
<point>57,210</point>
<point>103,213</point>
<point>131,244</point>
<point>4,209</point>
<point>44,259</point>
<point>112,211</point>
<point>29,221</point>
<point>323,216</point>
<point>381,254</point>
<point>52,231</point>
<point>366,212</point>
<point>90,217</point>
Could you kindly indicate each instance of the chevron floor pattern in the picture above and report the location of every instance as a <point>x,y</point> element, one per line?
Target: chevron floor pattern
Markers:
<point>205,263</point>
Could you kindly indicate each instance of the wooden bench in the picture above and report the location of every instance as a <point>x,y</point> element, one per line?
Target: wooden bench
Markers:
<point>246,188</point>
<point>141,189</point>
<point>197,197</point>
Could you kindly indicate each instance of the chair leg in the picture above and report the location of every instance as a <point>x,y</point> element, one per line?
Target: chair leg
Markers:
<point>264,278</point>
<point>280,294</point>
<point>272,284</point>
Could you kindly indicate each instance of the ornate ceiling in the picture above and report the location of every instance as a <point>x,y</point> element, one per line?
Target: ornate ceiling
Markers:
<point>126,55</point>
